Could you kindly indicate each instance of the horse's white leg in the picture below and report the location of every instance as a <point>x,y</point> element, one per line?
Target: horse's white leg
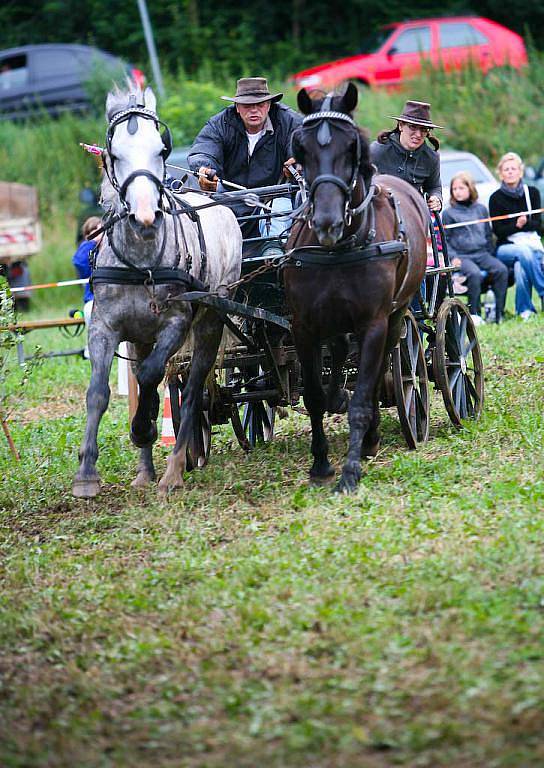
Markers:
<point>102,345</point>
<point>207,337</point>
<point>361,413</point>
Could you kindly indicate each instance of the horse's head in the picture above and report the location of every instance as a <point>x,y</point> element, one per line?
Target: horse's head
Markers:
<point>136,151</point>
<point>334,154</point>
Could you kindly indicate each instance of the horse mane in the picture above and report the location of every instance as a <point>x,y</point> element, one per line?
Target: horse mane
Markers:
<point>119,98</point>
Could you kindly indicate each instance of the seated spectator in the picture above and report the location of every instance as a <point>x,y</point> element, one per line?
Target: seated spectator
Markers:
<point>82,262</point>
<point>518,239</point>
<point>473,246</point>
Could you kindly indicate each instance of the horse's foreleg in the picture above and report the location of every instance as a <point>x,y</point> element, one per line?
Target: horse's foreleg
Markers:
<point>207,331</point>
<point>362,408</point>
<point>315,400</point>
<point>102,346</point>
<point>145,473</point>
<point>337,396</point>
<point>149,374</point>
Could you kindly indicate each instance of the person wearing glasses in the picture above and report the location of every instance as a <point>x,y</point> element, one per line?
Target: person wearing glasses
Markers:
<point>410,152</point>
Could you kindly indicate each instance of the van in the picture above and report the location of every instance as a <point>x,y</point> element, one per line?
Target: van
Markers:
<point>54,77</point>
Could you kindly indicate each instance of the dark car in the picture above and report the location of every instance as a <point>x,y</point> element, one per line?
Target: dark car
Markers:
<point>54,77</point>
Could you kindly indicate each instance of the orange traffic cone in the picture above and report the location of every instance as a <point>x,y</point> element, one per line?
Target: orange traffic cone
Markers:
<point>168,437</point>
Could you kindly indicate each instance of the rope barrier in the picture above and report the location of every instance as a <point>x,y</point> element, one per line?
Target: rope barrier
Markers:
<point>61,284</point>
<point>493,218</point>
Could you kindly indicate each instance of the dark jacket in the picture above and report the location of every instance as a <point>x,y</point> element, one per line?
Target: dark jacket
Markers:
<point>419,167</point>
<point>501,203</point>
<point>222,144</point>
<point>474,240</point>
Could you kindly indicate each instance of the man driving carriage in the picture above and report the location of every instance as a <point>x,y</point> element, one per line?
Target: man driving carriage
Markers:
<point>248,143</point>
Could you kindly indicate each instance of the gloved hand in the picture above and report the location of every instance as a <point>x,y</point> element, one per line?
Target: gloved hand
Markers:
<point>434,203</point>
<point>207,179</point>
<point>293,164</point>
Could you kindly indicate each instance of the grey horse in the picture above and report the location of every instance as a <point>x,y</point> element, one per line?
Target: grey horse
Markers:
<point>155,248</point>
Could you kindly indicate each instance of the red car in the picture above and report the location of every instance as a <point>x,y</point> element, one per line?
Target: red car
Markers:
<point>395,54</point>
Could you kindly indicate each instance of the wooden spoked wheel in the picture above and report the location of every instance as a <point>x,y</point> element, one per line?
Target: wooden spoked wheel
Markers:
<point>253,422</point>
<point>258,422</point>
<point>457,362</point>
<point>198,450</point>
<point>411,383</point>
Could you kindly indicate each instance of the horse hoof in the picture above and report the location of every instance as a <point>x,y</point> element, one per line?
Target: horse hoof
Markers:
<point>345,488</point>
<point>143,479</point>
<point>348,482</point>
<point>318,481</point>
<point>142,441</point>
<point>325,477</point>
<point>167,486</point>
<point>85,489</point>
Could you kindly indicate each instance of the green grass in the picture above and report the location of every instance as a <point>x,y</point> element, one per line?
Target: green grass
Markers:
<point>253,620</point>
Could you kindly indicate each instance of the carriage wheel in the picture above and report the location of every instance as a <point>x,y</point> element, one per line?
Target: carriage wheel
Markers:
<point>258,422</point>
<point>253,422</point>
<point>457,362</point>
<point>411,383</point>
<point>198,451</point>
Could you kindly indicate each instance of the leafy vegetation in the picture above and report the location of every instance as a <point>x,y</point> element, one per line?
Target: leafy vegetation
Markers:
<point>228,40</point>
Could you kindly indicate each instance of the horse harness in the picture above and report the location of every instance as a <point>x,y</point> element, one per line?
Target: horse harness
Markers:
<point>131,274</point>
<point>349,250</point>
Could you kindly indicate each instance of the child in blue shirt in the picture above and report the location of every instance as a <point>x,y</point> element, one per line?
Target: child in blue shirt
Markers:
<point>82,262</point>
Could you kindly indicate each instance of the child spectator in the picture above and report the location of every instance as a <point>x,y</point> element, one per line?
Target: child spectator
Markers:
<point>82,263</point>
<point>473,246</point>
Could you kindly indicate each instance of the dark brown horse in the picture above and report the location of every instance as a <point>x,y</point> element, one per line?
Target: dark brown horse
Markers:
<point>362,257</point>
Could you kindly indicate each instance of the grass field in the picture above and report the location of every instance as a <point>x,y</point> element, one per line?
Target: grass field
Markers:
<point>250,620</point>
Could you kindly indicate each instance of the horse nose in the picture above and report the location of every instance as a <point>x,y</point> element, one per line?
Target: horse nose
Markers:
<point>328,234</point>
<point>143,229</point>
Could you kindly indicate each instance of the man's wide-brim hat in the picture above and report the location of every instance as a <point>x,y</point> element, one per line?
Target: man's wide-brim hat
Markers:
<point>252,90</point>
<point>417,113</point>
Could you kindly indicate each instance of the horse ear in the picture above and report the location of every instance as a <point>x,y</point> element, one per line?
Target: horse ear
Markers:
<point>296,146</point>
<point>305,104</point>
<point>350,97</point>
<point>150,101</point>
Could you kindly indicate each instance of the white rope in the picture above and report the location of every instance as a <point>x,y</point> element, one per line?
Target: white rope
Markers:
<point>492,218</point>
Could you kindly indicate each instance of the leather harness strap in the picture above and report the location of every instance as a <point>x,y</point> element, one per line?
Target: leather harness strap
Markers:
<point>310,256</point>
<point>159,276</point>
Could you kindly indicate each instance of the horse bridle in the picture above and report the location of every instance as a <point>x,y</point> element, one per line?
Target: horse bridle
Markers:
<point>324,138</point>
<point>130,116</point>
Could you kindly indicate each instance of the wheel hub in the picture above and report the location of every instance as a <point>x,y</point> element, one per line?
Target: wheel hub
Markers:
<point>463,365</point>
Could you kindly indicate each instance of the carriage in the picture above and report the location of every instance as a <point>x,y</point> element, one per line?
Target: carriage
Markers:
<point>258,373</point>
<point>271,359</point>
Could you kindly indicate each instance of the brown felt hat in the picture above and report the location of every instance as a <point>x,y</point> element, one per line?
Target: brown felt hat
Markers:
<point>417,113</point>
<point>252,90</point>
